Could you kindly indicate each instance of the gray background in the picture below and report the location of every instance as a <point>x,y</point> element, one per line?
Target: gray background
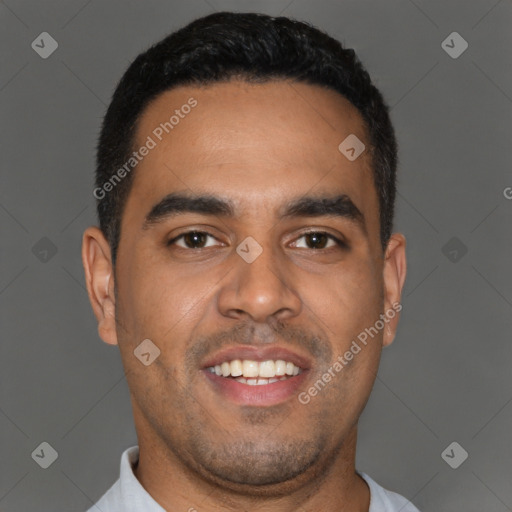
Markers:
<point>447,375</point>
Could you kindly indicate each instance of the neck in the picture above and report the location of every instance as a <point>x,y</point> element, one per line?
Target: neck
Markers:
<point>174,486</point>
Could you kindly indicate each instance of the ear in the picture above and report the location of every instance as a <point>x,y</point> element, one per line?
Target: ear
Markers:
<point>99,278</point>
<point>394,272</point>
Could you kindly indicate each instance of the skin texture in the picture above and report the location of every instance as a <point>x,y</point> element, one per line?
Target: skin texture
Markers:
<point>258,145</point>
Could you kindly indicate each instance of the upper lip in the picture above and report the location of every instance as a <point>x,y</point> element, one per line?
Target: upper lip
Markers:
<point>257,353</point>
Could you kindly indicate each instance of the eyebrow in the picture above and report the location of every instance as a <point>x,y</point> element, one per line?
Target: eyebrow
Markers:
<point>339,206</point>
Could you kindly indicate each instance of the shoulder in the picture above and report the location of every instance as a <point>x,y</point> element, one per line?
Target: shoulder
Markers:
<point>124,488</point>
<point>110,501</point>
<point>383,500</point>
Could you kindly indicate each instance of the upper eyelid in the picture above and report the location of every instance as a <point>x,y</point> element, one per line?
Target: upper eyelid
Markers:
<point>203,232</point>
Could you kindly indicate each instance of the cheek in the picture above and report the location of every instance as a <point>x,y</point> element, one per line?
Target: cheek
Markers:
<point>347,300</point>
<point>162,303</point>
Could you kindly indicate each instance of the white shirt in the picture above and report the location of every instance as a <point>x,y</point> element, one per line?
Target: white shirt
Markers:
<point>128,495</point>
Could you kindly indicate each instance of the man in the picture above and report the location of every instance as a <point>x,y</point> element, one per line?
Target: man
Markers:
<point>245,265</point>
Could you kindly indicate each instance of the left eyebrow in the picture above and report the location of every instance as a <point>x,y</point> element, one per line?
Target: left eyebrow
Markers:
<point>173,204</point>
<point>340,206</point>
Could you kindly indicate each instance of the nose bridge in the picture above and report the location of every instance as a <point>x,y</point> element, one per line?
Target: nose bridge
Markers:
<point>260,284</point>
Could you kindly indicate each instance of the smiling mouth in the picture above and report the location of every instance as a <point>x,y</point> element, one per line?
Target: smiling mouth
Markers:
<point>254,373</point>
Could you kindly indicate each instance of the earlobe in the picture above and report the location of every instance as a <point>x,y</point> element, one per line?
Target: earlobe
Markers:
<point>99,279</point>
<point>394,272</point>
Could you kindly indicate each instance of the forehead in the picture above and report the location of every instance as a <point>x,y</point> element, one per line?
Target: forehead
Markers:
<point>256,144</point>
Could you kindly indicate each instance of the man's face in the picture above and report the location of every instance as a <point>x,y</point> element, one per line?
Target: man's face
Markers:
<point>284,295</point>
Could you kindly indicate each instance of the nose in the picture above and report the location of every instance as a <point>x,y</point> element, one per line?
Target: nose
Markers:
<point>260,289</point>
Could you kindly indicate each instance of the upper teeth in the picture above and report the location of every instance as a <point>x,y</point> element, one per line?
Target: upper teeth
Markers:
<point>249,368</point>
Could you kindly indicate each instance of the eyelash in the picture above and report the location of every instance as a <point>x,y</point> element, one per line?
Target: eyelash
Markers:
<point>338,242</point>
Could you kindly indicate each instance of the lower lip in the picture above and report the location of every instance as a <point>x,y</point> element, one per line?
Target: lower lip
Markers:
<point>262,395</point>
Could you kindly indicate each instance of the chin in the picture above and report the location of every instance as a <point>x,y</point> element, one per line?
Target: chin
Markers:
<point>252,469</point>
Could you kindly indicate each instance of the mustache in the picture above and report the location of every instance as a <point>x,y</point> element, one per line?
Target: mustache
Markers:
<point>249,333</point>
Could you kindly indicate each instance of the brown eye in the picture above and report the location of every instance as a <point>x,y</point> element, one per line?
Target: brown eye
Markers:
<point>192,240</point>
<point>317,240</point>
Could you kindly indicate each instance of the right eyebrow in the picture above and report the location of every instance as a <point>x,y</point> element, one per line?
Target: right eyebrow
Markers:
<point>178,203</point>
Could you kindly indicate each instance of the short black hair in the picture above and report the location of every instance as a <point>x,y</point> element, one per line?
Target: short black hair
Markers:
<point>249,46</point>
